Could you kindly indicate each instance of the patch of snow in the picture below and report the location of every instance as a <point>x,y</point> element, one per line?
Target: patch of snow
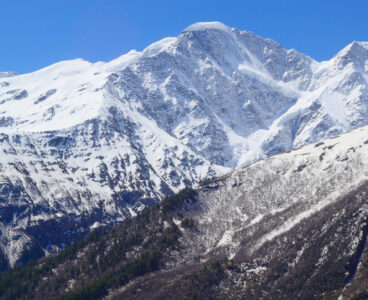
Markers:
<point>96,225</point>
<point>226,238</point>
<point>131,211</point>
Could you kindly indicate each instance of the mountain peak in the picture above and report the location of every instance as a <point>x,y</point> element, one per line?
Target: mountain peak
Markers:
<point>360,43</point>
<point>354,48</point>
<point>204,26</point>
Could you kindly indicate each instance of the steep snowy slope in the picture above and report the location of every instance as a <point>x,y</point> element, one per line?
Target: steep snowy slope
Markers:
<point>86,144</point>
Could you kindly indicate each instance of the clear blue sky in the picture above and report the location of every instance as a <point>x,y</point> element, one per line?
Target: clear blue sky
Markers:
<point>35,33</point>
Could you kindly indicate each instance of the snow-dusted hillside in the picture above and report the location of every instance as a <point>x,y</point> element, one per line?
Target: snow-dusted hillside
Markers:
<point>281,193</point>
<point>85,144</point>
<point>293,226</point>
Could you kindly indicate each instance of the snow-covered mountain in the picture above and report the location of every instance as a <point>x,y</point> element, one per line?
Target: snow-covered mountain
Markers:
<point>84,144</point>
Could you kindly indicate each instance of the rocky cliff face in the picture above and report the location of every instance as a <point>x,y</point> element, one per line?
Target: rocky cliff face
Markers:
<point>87,144</point>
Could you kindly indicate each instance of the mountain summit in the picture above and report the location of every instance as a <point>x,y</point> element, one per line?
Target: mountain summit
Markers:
<point>85,144</point>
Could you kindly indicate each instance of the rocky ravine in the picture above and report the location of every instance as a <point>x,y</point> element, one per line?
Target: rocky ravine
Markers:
<point>83,145</point>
